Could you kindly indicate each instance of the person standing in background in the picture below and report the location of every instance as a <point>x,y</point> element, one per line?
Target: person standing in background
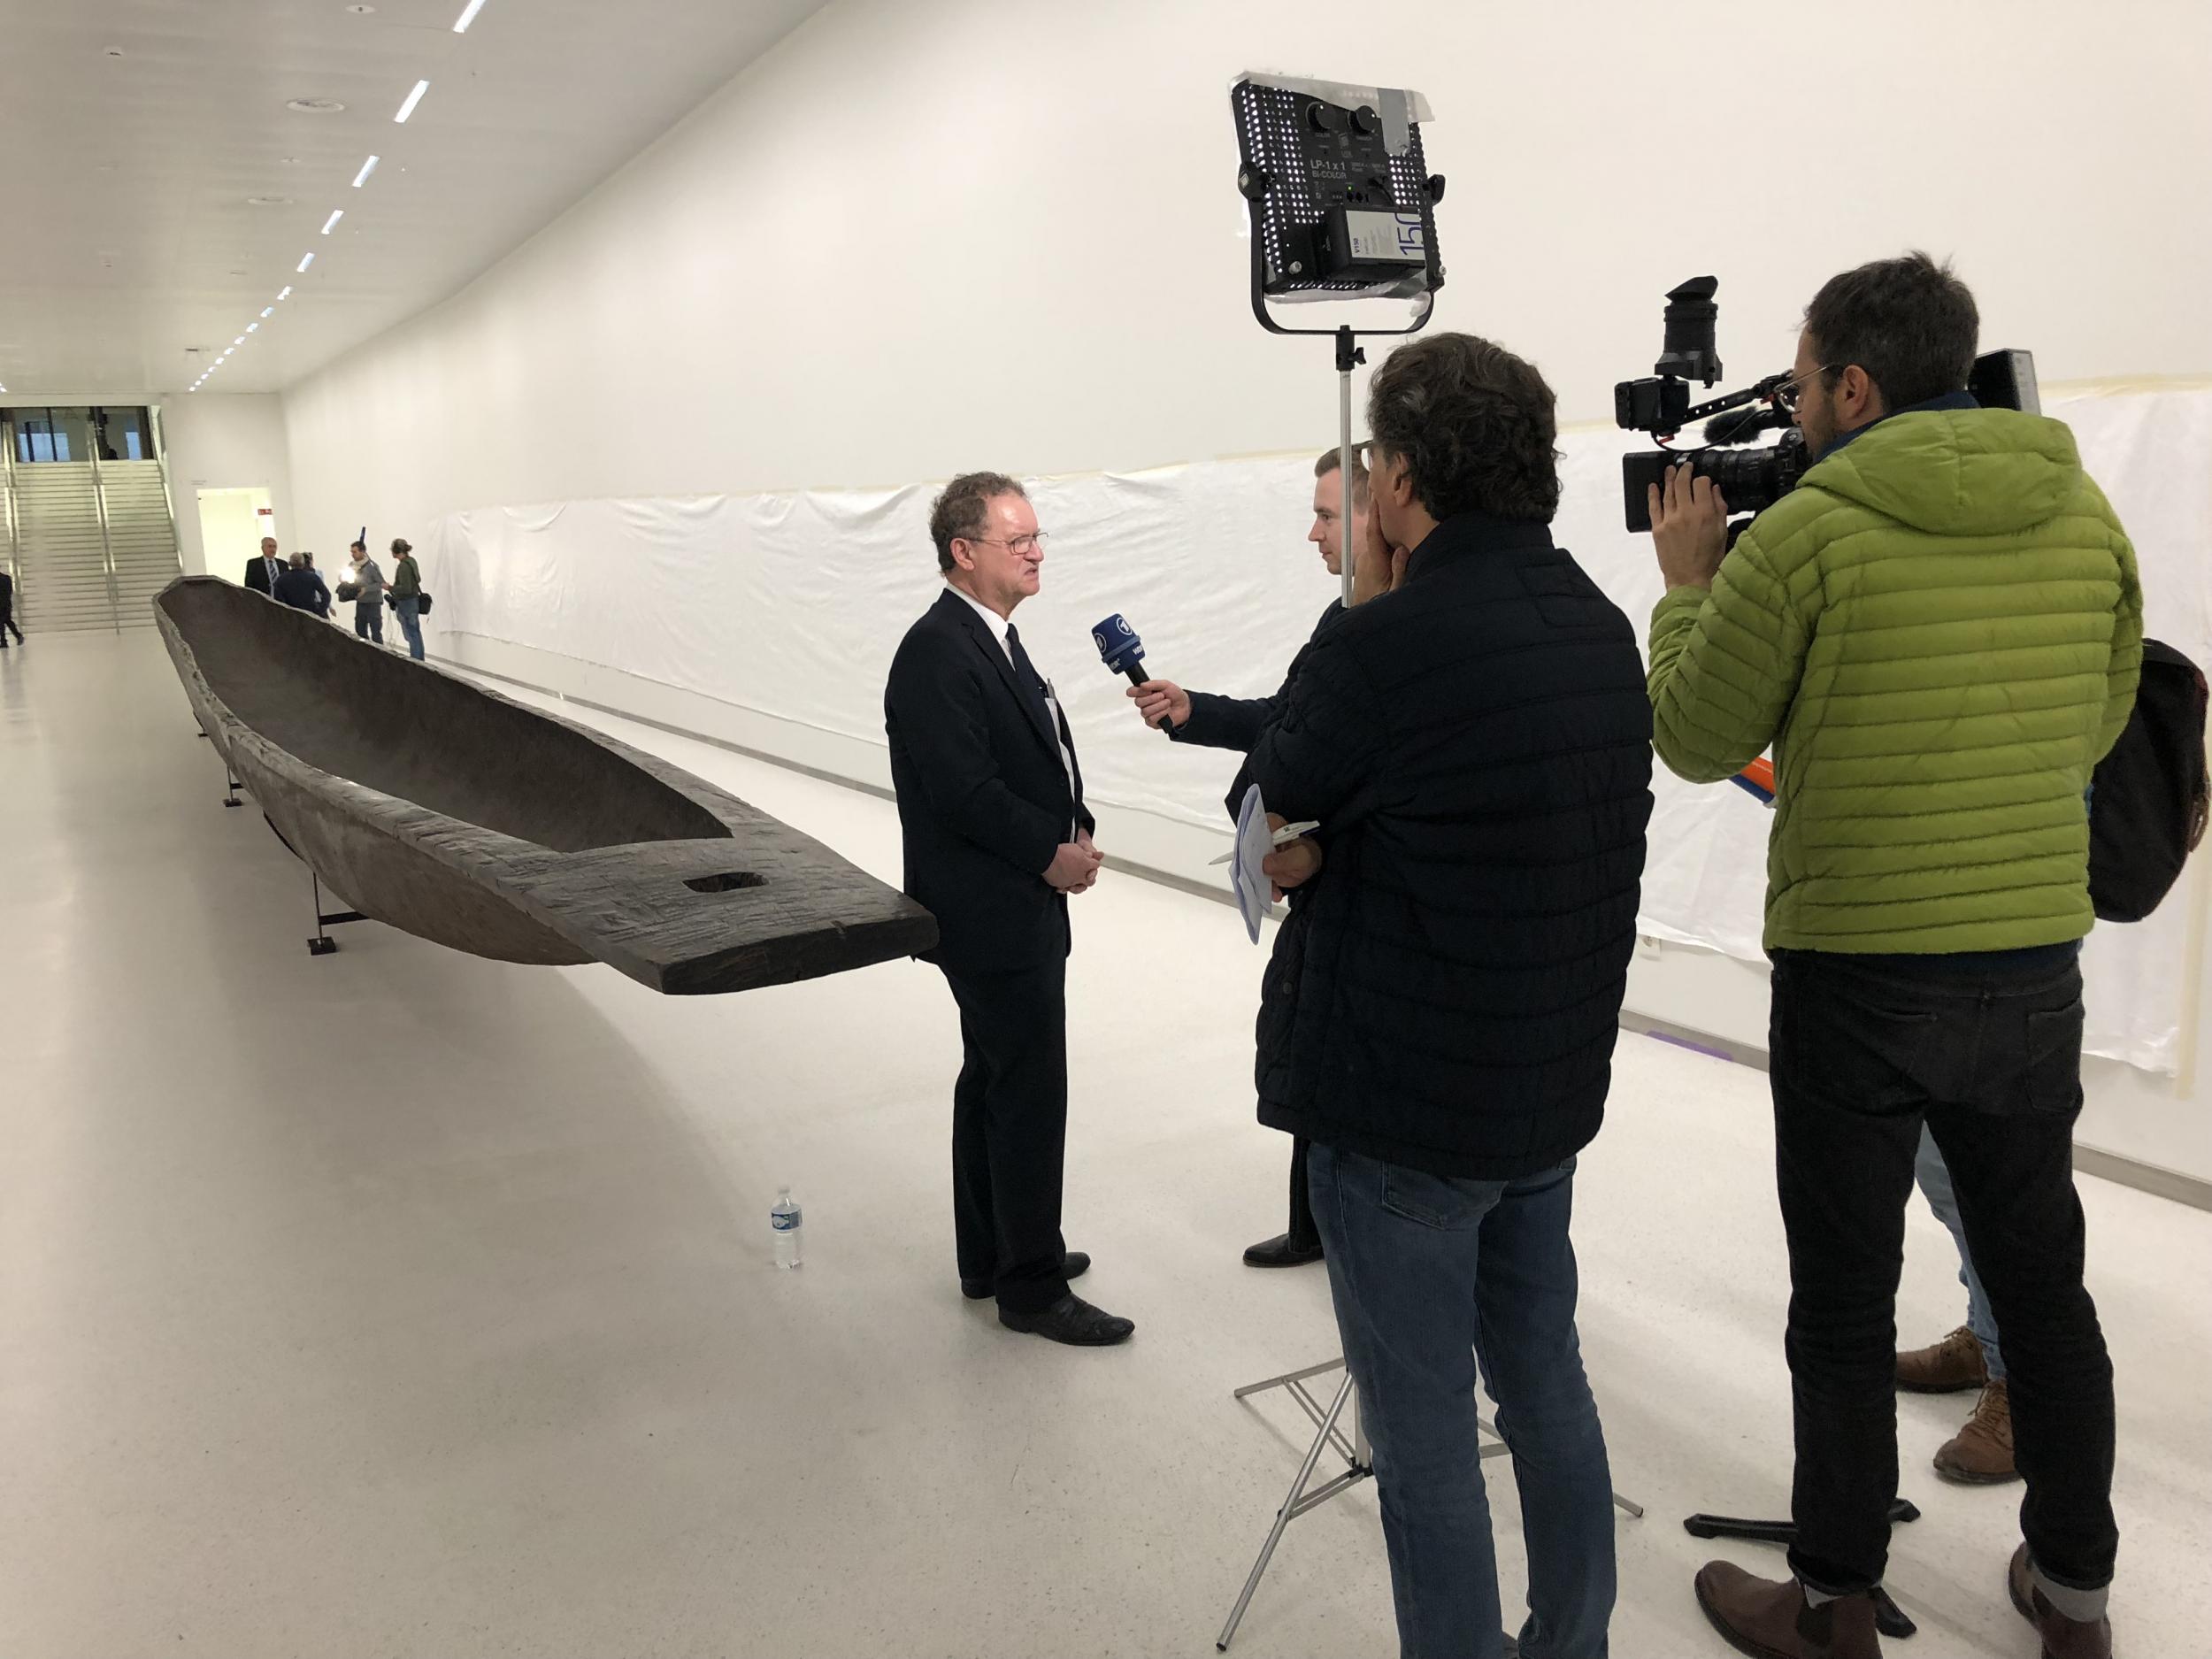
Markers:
<point>262,574</point>
<point>7,611</point>
<point>406,589</point>
<point>368,599</point>
<point>301,586</point>
<point>1217,722</point>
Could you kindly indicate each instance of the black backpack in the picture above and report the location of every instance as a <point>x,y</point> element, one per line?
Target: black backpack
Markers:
<point>2148,801</point>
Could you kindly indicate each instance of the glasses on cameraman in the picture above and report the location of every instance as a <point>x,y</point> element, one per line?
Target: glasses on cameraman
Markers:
<point>1021,546</point>
<point>1786,396</point>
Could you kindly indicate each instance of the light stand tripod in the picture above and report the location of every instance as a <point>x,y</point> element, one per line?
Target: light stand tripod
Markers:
<point>1359,1464</point>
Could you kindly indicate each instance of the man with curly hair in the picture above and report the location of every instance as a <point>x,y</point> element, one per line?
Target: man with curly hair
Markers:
<point>1438,1018</point>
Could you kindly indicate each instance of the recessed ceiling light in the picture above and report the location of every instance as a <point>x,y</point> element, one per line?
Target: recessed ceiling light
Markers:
<point>413,98</point>
<point>288,292</point>
<point>266,310</point>
<point>253,328</point>
<point>240,341</point>
<point>367,167</point>
<point>268,201</point>
<point>331,223</point>
<point>305,261</point>
<point>461,24</point>
<point>314,106</point>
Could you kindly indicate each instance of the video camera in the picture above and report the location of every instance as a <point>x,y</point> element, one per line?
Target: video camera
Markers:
<point>1753,477</point>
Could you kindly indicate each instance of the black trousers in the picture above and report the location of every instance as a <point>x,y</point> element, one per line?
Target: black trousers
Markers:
<point>8,625</point>
<point>1302,1231</point>
<point>1988,1052</point>
<point>1009,1123</point>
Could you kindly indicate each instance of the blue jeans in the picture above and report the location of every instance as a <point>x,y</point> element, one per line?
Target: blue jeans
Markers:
<point>1935,1185</point>
<point>410,624</point>
<point>1432,1275</point>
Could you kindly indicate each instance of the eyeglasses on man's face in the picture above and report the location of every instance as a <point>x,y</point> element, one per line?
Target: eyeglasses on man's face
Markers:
<point>1786,396</point>
<point>1021,546</point>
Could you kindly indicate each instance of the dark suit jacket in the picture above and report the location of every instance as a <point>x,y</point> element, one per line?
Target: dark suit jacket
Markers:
<point>984,798</point>
<point>7,593</point>
<point>258,574</point>
<point>304,590</point>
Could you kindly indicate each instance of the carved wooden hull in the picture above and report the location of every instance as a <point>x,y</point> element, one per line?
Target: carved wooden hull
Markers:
<point>462,817</point>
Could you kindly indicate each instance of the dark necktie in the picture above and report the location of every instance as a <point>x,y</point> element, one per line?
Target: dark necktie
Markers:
<point>1025,670</point>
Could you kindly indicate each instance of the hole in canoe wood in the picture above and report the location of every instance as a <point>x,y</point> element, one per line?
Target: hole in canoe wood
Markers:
<point>729,883</point>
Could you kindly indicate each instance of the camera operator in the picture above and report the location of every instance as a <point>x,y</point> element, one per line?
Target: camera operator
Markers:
<point>1939,632</point>
<point>1440,1013</point>
<point>1218,722</point>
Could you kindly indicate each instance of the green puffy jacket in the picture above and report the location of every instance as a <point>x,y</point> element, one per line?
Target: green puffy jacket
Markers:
<point>1939,632</point>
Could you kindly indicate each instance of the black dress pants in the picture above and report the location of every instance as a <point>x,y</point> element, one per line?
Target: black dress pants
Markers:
<point>1987,1050</point>
<point>1009,1120</point>
<point>1303,1234</point>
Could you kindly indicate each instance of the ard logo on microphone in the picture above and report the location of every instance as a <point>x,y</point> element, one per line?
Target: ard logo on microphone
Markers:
<point>1110,634</point>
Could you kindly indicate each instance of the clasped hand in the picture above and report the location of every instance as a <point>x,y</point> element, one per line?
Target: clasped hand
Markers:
<point>1074,867</point>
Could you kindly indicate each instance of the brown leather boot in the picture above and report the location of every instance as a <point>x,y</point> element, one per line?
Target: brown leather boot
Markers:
<point>2063,1638</point>
<point>1771,1621</point>
<point>1981,1453</point>
<point>1951,1367</point>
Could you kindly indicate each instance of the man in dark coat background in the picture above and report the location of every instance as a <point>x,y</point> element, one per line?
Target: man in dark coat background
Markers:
<point>1473,736</point>
<point>262,572</point>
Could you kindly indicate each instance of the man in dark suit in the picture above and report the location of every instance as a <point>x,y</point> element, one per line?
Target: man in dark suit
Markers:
<point>301,586</point>
<point>7,611</point>
<point>996,838</point>
<point>262,574</point>
<point>1218,722</point>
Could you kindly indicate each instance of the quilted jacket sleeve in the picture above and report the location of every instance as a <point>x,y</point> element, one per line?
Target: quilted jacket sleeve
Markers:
<point>1318,755</point>
<point>1725,666</point>
<point>2126,667</point>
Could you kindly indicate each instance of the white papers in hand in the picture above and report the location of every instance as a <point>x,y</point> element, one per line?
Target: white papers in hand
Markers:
<point>1247,880</point>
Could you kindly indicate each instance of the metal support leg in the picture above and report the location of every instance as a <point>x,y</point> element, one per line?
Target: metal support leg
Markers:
<point>1359,1464</point>
<point>323,944</point>
<point>1299,1500</point>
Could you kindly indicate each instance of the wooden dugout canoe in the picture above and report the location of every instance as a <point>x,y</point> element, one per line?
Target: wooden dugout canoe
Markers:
<point>459,816</point>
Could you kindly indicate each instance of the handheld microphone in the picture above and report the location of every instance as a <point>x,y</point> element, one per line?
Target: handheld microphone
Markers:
<point>1121,650</point>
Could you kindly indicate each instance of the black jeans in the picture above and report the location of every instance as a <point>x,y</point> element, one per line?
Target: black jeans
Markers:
<point>1009,1124</point>
<point>1987,1051</point>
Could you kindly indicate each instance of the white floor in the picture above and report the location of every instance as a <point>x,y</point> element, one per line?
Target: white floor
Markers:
<point>398,1302</point>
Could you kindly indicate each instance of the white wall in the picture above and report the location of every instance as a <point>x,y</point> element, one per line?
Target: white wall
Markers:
<point>917,239</point>
<point>913,240</point>
<point>218,441</point>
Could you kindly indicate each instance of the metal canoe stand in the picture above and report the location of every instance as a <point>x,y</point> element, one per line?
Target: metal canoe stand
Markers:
<point>322,944</point>
<point>1359,1464</point>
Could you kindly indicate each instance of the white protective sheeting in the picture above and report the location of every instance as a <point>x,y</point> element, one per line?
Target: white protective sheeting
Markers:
<point>792,604</point>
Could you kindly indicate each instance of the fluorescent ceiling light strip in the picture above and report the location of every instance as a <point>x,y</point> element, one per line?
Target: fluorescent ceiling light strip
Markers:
<point>461,24</point>
<point>253,328</point>
<point>267,310</point>
<point>331,223</point>
<point>304,263</point>
<point>367,167</point>
<point>240,341</point>
<point>413,98</point>
<point>288,292</point>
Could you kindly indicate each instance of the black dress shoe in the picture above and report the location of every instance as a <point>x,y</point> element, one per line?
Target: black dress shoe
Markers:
<point>1071,1320</point>
<point>1074,1264</point>
<point>1283,1251</point>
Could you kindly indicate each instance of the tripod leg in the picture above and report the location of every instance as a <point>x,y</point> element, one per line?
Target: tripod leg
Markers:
<point>1284,1514</point>
<point>322,944</point>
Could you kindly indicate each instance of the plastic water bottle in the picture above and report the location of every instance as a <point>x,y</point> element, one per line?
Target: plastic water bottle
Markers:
<point>784,1220</point>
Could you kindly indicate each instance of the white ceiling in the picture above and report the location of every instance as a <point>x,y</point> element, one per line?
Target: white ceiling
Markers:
<point>125,180</point>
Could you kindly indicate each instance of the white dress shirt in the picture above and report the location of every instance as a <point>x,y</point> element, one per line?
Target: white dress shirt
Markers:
<point>998,626</point>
